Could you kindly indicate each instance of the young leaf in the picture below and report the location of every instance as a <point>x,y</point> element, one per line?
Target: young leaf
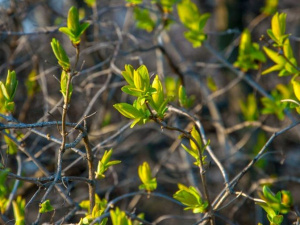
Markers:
<point>149,182</point>
<point>277,31</point>
<point>74,29</point>
<point>63,85</point>
<point>270,7</point>
<point>12,148</point>
<point>249,53</point>
<point>32,85</point>
<point>46,207</point>
<point>19,211</point>
<point>143,19</point>
<point>249,108</point>
<point>104,164</point>
<point>128,110</point>
<point>60,54</point>
<point>190,197</point>
<point>158,96</point>
<point>119,217</point>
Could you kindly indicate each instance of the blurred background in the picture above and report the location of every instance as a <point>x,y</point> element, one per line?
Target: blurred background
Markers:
<point>113,40</point>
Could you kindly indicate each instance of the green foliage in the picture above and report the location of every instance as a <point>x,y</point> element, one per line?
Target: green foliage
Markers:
<point>286,64</point>
<point>148,182</point>
<point>139,82</point>
<point>8,91</point>
<point>46,206</point>
<point>104,164</point>
<point>190,197</point>
<point>158,100</point>
<point>64,80</point>
<point>167,5</point>
<point>143,19</point>
<point>19,210</point>
<point>3,204</point>
<point>32,84</point>
<point>98,210</point>
<point>134,2</point>
<point>274,105</point>
<point>194,151</point>
<point>191,18</point>
<point>270,7</point>
<point>119,217</point>
<point>3,190</point>
<point>74,29</point>
<point>139,86</point>
<point>277,31</point>
<point>249,108</point>
<point>184,100</point>
<point>172,88</point>
<point>60,54</point>
<point>249,53</point>
<point>275,205</point>
<point>90,3</point>
<point>12,148</point>
<point>261,139</point>
<point>211,84</point>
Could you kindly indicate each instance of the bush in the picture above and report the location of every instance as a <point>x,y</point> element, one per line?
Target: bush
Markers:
<point>166,113</point>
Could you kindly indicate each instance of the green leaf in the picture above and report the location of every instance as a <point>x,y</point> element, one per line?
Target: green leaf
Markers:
<point>188,14</point>
<point>134,2</point>
<point>128,74</point>
<point>195,134</point>
<point>67,32</point>
<point>182,96</point>
<point>90,3</point>
<point>277,33</point>
<point>144,74</point>
<point>249,108</point>
<point>194,153</point>
<point>83,28</point>
<point>119,217</point>
<point>270,7</point>
<point>46,207</point>
<point>269,195</point>
<point>60,54</point>
<point>143,19</point>
<point>128,110</point>
<point>190,197</point>
<point>31,83</point>
<point>296,86</point>
<point>19,210</point>
<point>74,29</point>
<point>277,219</point>
<point>149,183</point>
<point>12,147</point>
<point>104,164</point>
<point>275,56</point>
<point>73,20</point>
<point>202,20</point>
<point>63,85</point>
<point>158,97</point>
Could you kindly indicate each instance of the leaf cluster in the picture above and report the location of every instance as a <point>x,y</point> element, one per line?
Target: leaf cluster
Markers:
<point>98,210</point>
<point>194,151</point>
<point>19,210</point>
<point>195,22</point>
<point>249,53</point>
<point>139,86</point>
<point>276,204</point>
<point>74,29</point>
<point>148,182</point>
<point>104,164</point>
<point>190,197</point>
<point>8,92</point>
